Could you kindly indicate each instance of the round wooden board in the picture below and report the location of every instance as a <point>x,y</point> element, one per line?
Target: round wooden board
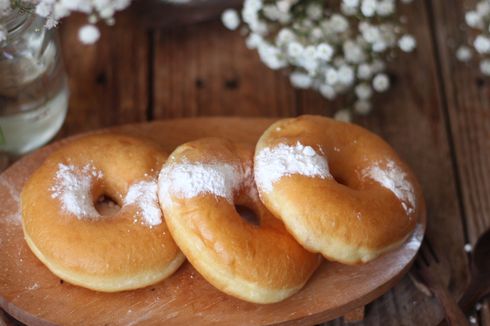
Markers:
<point>30,293</point>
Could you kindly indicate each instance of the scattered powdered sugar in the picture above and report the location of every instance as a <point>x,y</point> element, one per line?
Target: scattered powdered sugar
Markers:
<point>187,180</point>
<point>73,188</point>
<point>271,164</point>
<point>394,179</point>
<point>144,195</point>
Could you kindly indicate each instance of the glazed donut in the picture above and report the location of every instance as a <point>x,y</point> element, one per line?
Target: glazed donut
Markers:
<point>340,190</point>
<point>129,249</point>
<point>199,188</point>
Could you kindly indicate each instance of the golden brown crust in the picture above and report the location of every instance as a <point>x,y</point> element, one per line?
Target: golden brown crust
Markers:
<point>257,263</point>
<point>350,218</point>
<point>109,253</point>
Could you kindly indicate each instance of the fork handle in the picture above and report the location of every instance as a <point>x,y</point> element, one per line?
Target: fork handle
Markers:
<point>454,314</point>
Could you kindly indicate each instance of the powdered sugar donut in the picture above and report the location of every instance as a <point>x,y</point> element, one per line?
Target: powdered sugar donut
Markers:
<point>340,190</point>
<point>199,187</point>
<point>128,249</point>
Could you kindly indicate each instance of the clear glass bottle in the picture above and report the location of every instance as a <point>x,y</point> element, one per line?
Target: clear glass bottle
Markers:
<point>33,84</point>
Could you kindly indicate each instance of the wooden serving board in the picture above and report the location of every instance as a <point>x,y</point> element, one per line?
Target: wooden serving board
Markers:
<point>30,293</point>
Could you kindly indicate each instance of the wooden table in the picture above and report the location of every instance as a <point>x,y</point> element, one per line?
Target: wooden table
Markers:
<point>437,115</point>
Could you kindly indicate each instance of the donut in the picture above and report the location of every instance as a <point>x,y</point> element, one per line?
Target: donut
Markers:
<point>128,248</point>
<point>202,188</point>
<point>340,190</point>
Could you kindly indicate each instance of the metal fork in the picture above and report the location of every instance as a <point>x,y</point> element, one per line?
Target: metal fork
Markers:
<point>429,267</point>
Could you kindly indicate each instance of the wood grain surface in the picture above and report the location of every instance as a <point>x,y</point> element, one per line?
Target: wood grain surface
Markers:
<point>436,115</point>
<point>31,293</point>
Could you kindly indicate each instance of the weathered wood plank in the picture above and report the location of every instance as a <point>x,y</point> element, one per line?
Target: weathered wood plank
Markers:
<point>205,69</point>
<point>468,105</point>
<point>108,80</point>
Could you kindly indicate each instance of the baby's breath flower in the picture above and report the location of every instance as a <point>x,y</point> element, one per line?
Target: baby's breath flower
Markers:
<point>473,19</point>
<point>463,53</point>
<point>407,43</point>
<point>295,49</point>
<point>362,107</point>
<point>364,71</point>
<point>343,115</point>
<point>353,52</point>
<point>314,11</point>
<point>230,19</point>
<point>482,44</point>
<point>88,34</point>
<point>285,36</point>
<point>338,23</point>
<point>385,7</point>
<point>485,67</point>
<point>326,51</point>
<point>364,91</point>
<point>300,80</point>
<point>368,8</point>
<point>346,75</point>
<point>381,83</point>
<point>327,91</point>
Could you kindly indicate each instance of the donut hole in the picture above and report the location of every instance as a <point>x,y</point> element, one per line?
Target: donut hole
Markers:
<point>248,214</point>
<point>106,205</point>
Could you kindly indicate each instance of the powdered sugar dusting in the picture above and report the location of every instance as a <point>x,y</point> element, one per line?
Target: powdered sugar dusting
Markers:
<point>394,179</point>
<point>144,195</point>
<point>188,180</point>
<point>271,164</point>
<point>73,189</point>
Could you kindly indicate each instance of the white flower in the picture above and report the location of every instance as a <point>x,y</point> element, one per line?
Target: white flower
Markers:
<point>285,5</point>
<point>407,43</point>
<point>285,36</point>
<point>347,10</point>
<point>353,52</point>
<point>482,44</point>
<point>483,8</point>
<point>364,91</point>
<point>331,76</point>
<point>327,91</point>
<point>381,83</point>
<point>271,12</point>
<point>364,71</point>
<point>314,11</point>
<point>385,8</point>
<point>485,67</point>
<point>270,56</point>
<point>362,107</point>
<point>295,49</point>
<point>343,115</point>
<point>300,80</point>
<point>253,41</point>
<point>379,46</point>
<point>324,51</point>
<point>368,8</point>
<point>351,3</point>
<point>370,33</point>
<point>346,75</point>
<point>473,19</point>
<point>88,34</point>
<point>463,53</point>
<point>338,23</point>
<point>230,19</point>
<point>308,59</point>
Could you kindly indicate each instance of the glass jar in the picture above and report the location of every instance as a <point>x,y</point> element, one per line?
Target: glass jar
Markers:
<point>33,84</point>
